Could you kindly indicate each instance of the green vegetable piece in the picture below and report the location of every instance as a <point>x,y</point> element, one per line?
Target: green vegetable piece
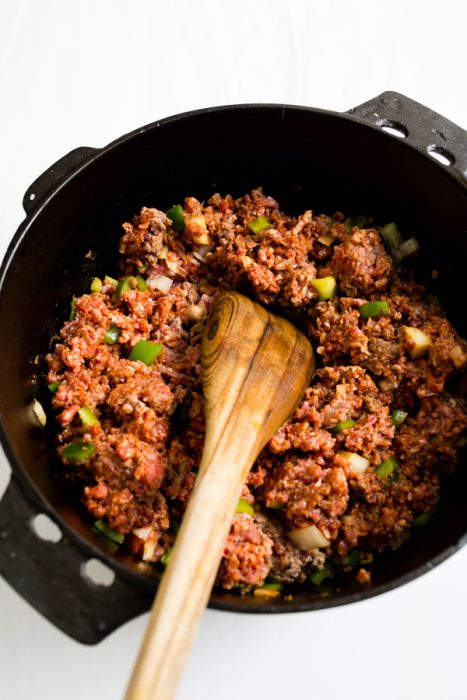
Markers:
<point>245,507</point>
<point>422,519</point>
<point>391,235</point>
<point>110,280</point>
<point>102,527</point>
<point>123,286</point>
<point>96,285</point>
<point>72,315</point>
<point>272,586</point>
<point>352,558</point>
<point>142,286</point>
<point>259,224</point>
<point>78,452</point>
<point>112,334</point>
<point>88,417</point>
<point>145,351</point>
<point>53,387</point>
<point>387,467</point>
<point>325,286</point>
<point>398,417</point>
<point>375,308</point>
<point>177,217</point>
<point>343,425</point>
<point>318,576</point>
<point>165,558</point>
<point>359,221</point>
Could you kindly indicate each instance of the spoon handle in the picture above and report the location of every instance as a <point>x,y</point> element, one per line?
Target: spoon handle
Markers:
<point>241,381</point>
<point>187,582</point>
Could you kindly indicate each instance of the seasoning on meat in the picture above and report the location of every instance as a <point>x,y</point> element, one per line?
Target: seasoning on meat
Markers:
<point>357,464</point>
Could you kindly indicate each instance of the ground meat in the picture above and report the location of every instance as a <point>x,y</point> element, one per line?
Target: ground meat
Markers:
<point>289,563</point>
<point>247,555</point>
<point>308,494</point>
<point>361,264</point>
<point>141,426</point>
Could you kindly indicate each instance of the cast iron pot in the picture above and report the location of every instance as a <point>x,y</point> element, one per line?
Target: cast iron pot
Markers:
<point>306,158</point>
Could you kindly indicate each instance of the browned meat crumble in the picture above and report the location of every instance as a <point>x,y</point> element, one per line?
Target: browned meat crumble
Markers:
<point>148,437</point>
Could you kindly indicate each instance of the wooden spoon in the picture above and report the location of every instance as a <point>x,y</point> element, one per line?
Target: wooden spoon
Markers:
<point>255,369</point>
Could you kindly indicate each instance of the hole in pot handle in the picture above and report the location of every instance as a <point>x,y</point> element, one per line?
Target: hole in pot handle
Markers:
<point>49,576</point>
<point>423,126</point>
<point>55,175</point>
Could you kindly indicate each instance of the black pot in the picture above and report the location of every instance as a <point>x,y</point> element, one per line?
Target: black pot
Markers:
<point>303,157</point>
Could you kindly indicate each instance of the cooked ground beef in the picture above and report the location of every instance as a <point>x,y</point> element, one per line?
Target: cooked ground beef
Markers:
<point>143,424</point>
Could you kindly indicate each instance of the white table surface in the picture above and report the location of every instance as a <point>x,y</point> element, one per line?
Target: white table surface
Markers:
<point>83,73</point>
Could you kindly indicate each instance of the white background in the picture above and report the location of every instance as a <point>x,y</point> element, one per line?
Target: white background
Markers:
<point>85,72</point>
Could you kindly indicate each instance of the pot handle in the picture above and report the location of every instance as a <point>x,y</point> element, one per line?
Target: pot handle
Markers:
<point>422,127</point>
<point>56,174</point>
<point>50,576</point>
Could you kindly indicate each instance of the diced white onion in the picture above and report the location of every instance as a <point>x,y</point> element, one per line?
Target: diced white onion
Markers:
<point>39,413</point>
<point>143,532</point>
<point>172,265</point>
<point>204,250</point>
<point>417,341</point>
<point>247,262</point>
<point>409,247</point>
<point>148,550</point>
<point>160,282</point>
<point>196,312</point>
<point>201,253</point>
<point>355,461</point>
<point>147,535</point>
<point>307,538</point>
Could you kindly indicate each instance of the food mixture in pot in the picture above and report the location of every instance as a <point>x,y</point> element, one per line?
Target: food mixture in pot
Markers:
<point>348,475</point>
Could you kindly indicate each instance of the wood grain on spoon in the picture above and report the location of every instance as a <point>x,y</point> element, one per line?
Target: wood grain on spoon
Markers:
<point>255,368</point>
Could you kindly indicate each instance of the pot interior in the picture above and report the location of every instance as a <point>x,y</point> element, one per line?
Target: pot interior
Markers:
<point>305,159</point>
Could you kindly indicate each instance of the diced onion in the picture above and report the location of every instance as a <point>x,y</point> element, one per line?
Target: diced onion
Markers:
<point>307,538</point>
<point>247,262</point>
<point>147,535</point>
<point>172,265</point>
<point>143,533</point>
<point>201,253</point>
<point>196,312</point>
<point>148,550</point>
<point>39,413</point>
<point>457,356</point>
<point>160,282</point>
<point>162,254</point>
<point>416,340</point>
<point>204,250</point>
<point>355,461</point>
